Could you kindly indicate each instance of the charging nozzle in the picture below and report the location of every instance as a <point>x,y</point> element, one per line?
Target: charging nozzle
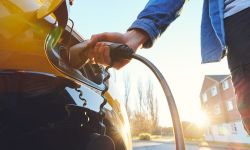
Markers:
<point>78,54</point>
<point>119,52</point>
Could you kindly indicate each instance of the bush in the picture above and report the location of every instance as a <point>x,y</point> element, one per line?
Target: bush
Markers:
<point>145,136</point>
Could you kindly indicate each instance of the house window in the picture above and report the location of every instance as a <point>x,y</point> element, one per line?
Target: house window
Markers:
<point>217,109</point>
<point>204,97</point>
<point>229,105</point>
<point>213,91</point>
<point>225,85</point>
<point>233,128</point>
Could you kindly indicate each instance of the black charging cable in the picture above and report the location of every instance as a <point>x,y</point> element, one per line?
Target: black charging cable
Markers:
<point>121,51</point>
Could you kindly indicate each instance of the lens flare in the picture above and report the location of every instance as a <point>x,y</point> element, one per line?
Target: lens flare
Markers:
<point>202,120</point>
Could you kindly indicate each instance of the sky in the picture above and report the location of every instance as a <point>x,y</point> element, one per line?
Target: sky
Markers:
<point>176,53</point>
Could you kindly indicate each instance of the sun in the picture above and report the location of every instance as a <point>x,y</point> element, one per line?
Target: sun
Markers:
<point>202,120</point>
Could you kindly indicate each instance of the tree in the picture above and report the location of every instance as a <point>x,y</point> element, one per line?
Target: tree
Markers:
<point>127,86</point>
<point>156,111</point>
<point>139,123</point>
<point>152,104</point>
<point>140,95</point>
<point>145,119</point>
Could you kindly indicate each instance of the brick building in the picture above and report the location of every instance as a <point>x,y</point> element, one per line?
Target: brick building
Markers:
<point>219,102</point>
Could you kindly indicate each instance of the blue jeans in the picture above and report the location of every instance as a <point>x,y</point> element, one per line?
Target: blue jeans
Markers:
<point>237,29</point>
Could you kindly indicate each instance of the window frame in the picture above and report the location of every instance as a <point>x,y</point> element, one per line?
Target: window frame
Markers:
<point>217,109</point>
<point>234,129</point>
<point>231,108</point>
<point>212,90</point>
<point>204,97</point>
<point>221,130</point>
<point>225,82</point>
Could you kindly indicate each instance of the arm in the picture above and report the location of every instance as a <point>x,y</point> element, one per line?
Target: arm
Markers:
<point>156,17</point>
<point>150,24</point>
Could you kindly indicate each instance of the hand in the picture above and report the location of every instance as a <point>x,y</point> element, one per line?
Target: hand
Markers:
<point>100,51</point>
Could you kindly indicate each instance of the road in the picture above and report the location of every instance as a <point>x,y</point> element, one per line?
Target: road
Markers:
<point>154,145</point>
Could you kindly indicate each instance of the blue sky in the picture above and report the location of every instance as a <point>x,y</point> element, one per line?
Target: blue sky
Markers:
<point>176,53</point>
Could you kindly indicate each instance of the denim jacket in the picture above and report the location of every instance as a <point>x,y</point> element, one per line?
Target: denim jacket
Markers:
<point>158,14</point>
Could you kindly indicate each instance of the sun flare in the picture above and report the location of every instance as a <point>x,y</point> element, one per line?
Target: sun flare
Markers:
<point>202,120</point>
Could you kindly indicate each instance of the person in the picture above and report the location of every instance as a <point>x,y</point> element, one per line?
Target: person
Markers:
<point>224,31</point>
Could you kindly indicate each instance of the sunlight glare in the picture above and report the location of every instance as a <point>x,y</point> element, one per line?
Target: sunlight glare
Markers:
<point>202,120</point>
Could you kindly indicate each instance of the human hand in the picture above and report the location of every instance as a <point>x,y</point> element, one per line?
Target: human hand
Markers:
<point>100,50</point>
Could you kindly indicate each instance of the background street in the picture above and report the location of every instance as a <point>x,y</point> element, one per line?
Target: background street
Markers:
<point>170,145</point>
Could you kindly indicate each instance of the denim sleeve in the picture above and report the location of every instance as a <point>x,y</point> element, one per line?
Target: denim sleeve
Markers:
<point>155,18</point>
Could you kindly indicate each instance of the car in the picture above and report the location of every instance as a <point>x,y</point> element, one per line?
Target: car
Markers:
<point>46,104</point>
